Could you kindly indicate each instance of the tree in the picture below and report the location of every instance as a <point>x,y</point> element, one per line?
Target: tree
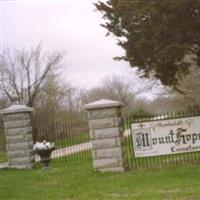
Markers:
<point>51,95</point>
<point>155,34</point>
<point>118,89</point>
<point>113,87</point>
<point>191,88</point>
<point>23,72</point>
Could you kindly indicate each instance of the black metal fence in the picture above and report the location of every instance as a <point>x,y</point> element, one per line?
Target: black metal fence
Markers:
<point>155,161</point>
<point>71,139</point>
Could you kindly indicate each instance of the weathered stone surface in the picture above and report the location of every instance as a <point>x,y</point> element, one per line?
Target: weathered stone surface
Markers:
<point>106,143</point>
<point>16,116</point>
<point>17,124</point>
<point>15,139</point>
<point>18,131</point>
<point>21,166</point>
<point>108,153</point>
<point>111,169</point>
<point>108,162</point>
<point>20,139</point>
<point>17,146</point>
<point>103,103</point>
<point>105,123</point>
<point>103,113</point>
<point>20,154</point>
<point>106,135</point>
<point>17,109</point>
<point>17,153</point>
<point>30,144</point>
<point>91,134</point>
<point>107,132</point>
<point>31,154</point>
<point>20,160</point>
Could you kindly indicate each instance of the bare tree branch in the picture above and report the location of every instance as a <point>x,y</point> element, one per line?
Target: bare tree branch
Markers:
<point>23,72</point>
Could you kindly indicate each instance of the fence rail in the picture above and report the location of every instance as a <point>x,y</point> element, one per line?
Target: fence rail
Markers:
<point>71,139</point>
<point>155,161</point>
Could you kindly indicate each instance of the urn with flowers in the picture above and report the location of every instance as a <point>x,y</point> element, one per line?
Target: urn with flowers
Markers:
<point>44,150</point>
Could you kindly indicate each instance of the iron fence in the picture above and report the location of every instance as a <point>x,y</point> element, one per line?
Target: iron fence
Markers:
<point>71,139</point>
<point>155,161</point>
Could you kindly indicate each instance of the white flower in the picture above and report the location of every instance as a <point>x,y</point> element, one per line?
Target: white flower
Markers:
<point>42,145</point>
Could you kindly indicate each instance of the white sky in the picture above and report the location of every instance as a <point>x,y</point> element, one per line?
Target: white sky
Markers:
<point>69,25</point>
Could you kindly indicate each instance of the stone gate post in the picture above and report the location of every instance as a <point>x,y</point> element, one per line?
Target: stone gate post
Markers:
<point>18,133</point>
<point>105,125</point>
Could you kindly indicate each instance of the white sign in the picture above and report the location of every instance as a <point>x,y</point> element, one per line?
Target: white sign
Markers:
<point>165,137</point>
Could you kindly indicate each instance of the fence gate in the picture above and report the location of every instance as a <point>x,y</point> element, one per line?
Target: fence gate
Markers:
<point>162,140</point>
<point>71,139</point>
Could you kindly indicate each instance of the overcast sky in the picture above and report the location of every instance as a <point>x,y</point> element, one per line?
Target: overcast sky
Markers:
<point>69,25</point>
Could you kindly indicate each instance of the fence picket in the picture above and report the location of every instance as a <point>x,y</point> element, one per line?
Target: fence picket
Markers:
<point>67,136</point>
<point>162,160</point>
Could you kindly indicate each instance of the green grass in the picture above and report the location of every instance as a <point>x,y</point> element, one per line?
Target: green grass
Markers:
<point>70,141</point>
<point>76,158</point>
<point>78,182</point>
<point>3,157</point>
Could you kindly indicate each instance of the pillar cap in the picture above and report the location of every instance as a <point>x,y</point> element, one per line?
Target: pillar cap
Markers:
<point>16,109</point>
<point>103,103</point>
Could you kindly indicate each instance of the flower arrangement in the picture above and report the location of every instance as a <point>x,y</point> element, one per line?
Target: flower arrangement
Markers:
<point>44,150</point>
<point>43,146</point>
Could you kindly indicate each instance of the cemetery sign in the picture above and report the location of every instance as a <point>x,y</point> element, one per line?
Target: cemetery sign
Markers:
<point>164,137</point>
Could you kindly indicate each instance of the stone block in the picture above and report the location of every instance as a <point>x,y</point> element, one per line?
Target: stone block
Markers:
<point>108,162</point>
<point>15,139</point>
<point>16,116</point>
<point>17,146</point>
<point>21,166</point>
<point>105,123</point>
<point>31,153</point>
<point>30,144</point>
<point>17,154</point>
<point>108,153</point>
<point>103,113</point>
<point>18,131</point>
<point>106,143</point>
<point>107,133</point>
<point>29,138</point>
<point>111,169</point>
<point>20,160</point>
<point>91,133</point>
<point>17,124</point>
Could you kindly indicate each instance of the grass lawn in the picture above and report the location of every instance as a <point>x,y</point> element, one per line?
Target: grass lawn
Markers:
<point>78,182</point>
<point>70,141</point>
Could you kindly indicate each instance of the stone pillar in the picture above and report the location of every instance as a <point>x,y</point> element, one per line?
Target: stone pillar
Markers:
<point>18,133</point>
<point>105,125</point>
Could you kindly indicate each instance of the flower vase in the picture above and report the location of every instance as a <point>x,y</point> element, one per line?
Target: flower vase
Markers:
<point>45,156</point>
